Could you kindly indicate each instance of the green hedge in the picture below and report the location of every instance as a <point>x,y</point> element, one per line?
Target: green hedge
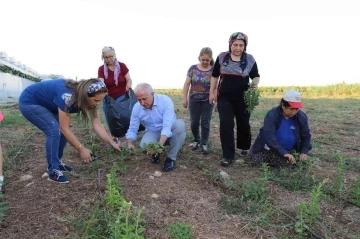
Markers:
<point>7,69</point>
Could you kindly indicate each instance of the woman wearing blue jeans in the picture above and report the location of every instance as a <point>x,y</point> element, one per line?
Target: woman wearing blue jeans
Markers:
<point>48,106</point>
<point>198,80</point>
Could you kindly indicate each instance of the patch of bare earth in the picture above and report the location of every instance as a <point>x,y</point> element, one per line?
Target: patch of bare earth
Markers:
<point>39,208</point>
<point>184,195</point>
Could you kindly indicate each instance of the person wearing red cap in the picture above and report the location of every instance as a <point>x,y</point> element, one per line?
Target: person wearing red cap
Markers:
<point>285,131</point>
<point>235,68</point>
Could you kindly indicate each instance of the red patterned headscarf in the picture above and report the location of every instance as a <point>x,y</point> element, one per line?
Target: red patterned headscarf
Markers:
<point>238,36</point>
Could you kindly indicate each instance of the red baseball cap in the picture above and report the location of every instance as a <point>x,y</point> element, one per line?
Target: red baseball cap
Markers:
<point>293,97</point>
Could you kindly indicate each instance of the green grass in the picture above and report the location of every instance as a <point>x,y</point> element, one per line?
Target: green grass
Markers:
<point>180,231</point>
<point>13,118</point>
<point>334,126</point>
<point>340,90</point>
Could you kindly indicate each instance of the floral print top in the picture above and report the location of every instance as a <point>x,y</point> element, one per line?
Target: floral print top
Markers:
<point>200,83</point>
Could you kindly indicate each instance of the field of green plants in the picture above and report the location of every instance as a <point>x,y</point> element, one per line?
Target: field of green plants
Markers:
<point>123,195</point>
<point>341,90</point>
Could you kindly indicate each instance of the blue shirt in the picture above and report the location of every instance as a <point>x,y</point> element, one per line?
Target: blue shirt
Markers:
<point>52,95</point>
<point>285,135</point>
<point>159,118</point>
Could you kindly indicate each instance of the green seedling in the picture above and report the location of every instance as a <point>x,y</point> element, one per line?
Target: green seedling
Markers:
<point>3,207</point>
<point>338,184</point>
<point>355,192</point>
<point>180,231</point>
<point>300,225</point>
<point>154,148</point>
<point>256,191</point>
<point>316,193</point>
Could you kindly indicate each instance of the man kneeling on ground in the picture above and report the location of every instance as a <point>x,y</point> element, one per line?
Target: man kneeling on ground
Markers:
<point>156,113</point>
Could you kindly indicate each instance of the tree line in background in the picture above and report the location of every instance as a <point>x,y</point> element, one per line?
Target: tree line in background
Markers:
<point>341,90</point>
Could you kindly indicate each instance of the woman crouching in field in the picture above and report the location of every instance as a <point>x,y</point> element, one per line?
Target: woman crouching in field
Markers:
<point>48,106</point>
<point>286,130</point>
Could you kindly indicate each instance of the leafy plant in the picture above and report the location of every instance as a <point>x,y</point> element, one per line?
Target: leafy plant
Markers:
<point>118,219</point>
<point>123,227</point>
<point>312,211</point>
<point>257,190</point>
<point>154,148</point>
<point>300,225</point>
<point>114,199</point>
<point>298,179</point>
<point>338,185</point>
<point>3,207</point>
<point>251,98</point>
<point>308,213</point>
<point>355,192</point>
<point>316,193</point>
<point>180,231</point>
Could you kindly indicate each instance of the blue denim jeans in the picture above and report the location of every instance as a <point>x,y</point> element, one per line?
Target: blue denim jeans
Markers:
<point>200,114</point>
<point>120,98</point>
<point>48,122</point>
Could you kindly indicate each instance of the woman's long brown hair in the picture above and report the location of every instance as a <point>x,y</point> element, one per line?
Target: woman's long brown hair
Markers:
<point>79,98</point>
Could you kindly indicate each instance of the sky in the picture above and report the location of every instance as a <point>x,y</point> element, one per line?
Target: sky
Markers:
<point>297,43</point>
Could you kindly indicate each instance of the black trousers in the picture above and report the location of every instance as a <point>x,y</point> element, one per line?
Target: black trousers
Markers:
<point>228,110</point>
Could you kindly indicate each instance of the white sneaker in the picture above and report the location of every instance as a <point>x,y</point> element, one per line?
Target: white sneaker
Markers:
<point>204,149</point>
<point>194,145</point>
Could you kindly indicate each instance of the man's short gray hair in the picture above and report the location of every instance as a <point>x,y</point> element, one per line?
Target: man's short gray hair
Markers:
<point>146,86</point>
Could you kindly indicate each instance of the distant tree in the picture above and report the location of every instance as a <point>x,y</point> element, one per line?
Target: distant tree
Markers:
<point>54,76</point>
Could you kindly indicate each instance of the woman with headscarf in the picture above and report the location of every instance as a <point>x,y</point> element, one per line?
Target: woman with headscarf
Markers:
<point>48,106</point>
<point>285,131</point>
<point>235,68</point>
<point>115,75</point>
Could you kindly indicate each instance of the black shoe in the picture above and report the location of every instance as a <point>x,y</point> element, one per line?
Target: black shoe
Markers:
<point>244,153</point>
<point>225,162</point>
<point>169,165</point>
<point>155,158</point>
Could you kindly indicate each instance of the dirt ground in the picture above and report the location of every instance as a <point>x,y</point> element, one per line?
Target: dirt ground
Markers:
<point>42,209</point>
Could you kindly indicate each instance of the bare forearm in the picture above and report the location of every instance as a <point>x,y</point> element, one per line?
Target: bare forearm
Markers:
<point>255,81</point>
<point>129,81</point>
<point>213,83</point>
<point>186,90</point>
<point>71,138</point>
<point>163,139</point>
